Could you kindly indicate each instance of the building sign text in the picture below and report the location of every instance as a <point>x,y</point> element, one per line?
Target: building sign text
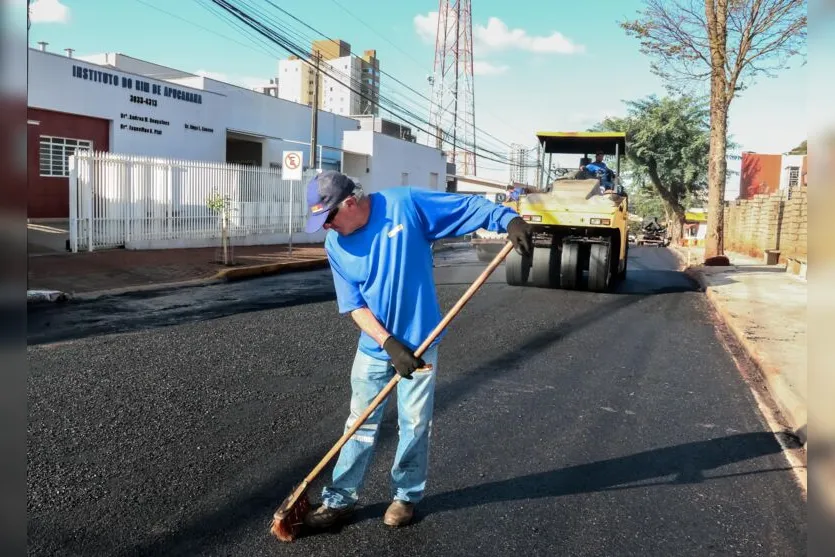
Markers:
<point>112,79</point>
<point>198,128</point>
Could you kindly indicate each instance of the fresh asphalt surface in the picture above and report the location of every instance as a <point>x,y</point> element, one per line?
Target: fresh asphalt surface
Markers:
<point>566,423</point>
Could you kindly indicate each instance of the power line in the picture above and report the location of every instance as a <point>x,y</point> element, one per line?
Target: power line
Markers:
<point>283,39</point>
<point>418,64</point>
<point>246,30</point>
<point>175,16</point>
<point>320,33</point>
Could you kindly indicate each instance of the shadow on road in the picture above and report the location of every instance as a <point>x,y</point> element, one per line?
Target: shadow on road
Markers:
<point>656,281</point>
<point>686,464</point>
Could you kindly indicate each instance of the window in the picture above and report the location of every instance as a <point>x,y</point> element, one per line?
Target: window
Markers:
<point>54,154</point>
<point>404,179</point>
<point>433,180</point>
<point>794,176</point>
<point>794,179</point>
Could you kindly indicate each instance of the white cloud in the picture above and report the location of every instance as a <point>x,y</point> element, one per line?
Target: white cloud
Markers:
<point>248,82</point>
<point>481,67</point>
<point>496,36</point>
<point>426,26</point>
<point>48,11</point>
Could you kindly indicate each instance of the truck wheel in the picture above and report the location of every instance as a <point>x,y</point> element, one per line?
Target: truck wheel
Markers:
<point>599,271</point>
<point>570,269</point>
<point>622,274</point>
<point>517,269</point>
<point>545,272</point>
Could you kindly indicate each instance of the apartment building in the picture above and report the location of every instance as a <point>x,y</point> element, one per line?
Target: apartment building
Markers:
<point>348,84</point>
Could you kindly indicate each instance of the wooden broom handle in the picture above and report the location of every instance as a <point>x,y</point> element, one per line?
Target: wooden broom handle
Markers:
<point>421,349</point>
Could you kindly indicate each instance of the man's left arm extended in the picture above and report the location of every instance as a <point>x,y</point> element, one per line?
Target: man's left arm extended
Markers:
<point>451,214</point>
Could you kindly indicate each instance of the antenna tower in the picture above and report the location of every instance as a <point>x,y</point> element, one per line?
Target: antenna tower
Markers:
<point>452,113</point>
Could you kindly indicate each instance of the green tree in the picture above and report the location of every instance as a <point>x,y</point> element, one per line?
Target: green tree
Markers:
<point>725,43</point>
<point>668,141</point>
<point>800,149</point>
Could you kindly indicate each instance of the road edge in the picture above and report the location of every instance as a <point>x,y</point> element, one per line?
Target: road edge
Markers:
<point>41,297</point>
<point>778,390</point>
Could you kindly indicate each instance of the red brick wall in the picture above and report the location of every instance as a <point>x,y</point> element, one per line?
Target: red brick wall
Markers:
<point>48,196</point>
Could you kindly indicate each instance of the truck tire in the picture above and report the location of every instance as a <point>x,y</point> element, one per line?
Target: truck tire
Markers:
<point>517,269</point>
<point>599,270</point>
<point>622,274</point>
<point>545,270</point>
<point>570,269</point>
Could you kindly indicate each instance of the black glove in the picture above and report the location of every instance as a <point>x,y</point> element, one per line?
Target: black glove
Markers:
<point>520,233</point>
<point>403,359</point>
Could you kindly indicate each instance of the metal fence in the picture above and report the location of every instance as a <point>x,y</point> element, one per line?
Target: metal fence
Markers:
<point>122,200</point>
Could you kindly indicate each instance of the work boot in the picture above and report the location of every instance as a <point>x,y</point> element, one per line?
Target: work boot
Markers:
<point>325,517</point>
<point>399,513</point>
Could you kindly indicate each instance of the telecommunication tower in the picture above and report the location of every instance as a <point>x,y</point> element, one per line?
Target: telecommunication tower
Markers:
<point>452,112</point>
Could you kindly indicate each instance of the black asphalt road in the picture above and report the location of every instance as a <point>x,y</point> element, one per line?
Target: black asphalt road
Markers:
<point>567,423</point>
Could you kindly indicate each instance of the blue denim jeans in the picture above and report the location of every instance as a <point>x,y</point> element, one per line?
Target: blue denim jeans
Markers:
<point>415,400</point>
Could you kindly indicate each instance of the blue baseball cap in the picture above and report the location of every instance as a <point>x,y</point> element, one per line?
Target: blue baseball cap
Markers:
<point>324,192</point>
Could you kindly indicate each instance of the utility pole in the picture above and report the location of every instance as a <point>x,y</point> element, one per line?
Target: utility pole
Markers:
<point>314,115</point>
<point>538,165</point>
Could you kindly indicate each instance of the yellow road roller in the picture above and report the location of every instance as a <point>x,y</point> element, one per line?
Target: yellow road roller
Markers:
<point>579,219</point>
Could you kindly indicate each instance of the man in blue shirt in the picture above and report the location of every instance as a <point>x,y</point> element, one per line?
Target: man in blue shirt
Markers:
<point>379,249</point>
<point>608,177</point>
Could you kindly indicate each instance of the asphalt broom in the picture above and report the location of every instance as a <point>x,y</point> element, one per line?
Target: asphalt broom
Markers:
<point>288,518</point>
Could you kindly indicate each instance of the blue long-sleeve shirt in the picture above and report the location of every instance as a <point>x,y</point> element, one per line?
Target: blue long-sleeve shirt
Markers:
<point>386,265</point>
<point>596,166</point>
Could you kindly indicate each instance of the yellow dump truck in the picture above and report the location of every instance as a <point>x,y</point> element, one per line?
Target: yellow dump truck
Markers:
<point>579,220</point>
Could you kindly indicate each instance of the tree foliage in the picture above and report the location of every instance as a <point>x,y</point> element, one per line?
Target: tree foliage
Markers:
<point>761,36</point>
<point>800,149</point>
<point>666,155</point>
<point>726,44</point>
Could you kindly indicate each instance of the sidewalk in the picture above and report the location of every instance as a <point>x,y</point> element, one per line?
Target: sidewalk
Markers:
<point>765,308</point>
<point>118,270</point>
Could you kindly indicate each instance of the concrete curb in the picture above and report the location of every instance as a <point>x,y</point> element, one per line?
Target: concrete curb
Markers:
<point>224,275</point>
<point>46,296</point>
<point>791,407</point>
<point>252,271</point>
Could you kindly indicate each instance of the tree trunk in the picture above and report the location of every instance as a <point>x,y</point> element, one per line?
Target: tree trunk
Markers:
<point>677,227</point>
<point>715,241</point>
<point>717,27</point>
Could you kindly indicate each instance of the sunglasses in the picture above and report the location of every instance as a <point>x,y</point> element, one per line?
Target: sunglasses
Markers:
<point>332,215</point>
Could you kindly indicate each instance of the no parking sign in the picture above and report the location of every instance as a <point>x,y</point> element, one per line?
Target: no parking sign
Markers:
<point>291,165</point>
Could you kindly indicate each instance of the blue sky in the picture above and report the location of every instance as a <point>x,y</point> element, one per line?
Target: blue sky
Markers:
<point>538,61</point>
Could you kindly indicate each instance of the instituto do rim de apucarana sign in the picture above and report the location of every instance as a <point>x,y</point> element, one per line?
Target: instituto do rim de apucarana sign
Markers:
<point>148,117</point>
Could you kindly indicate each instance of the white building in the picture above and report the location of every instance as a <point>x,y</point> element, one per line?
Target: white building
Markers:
<point>336,96</point>
<point>295,81</point>
<point>116,106</point>
<point>379,161</point>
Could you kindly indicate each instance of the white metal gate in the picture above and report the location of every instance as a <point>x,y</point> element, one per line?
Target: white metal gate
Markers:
<point>120,200</point>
